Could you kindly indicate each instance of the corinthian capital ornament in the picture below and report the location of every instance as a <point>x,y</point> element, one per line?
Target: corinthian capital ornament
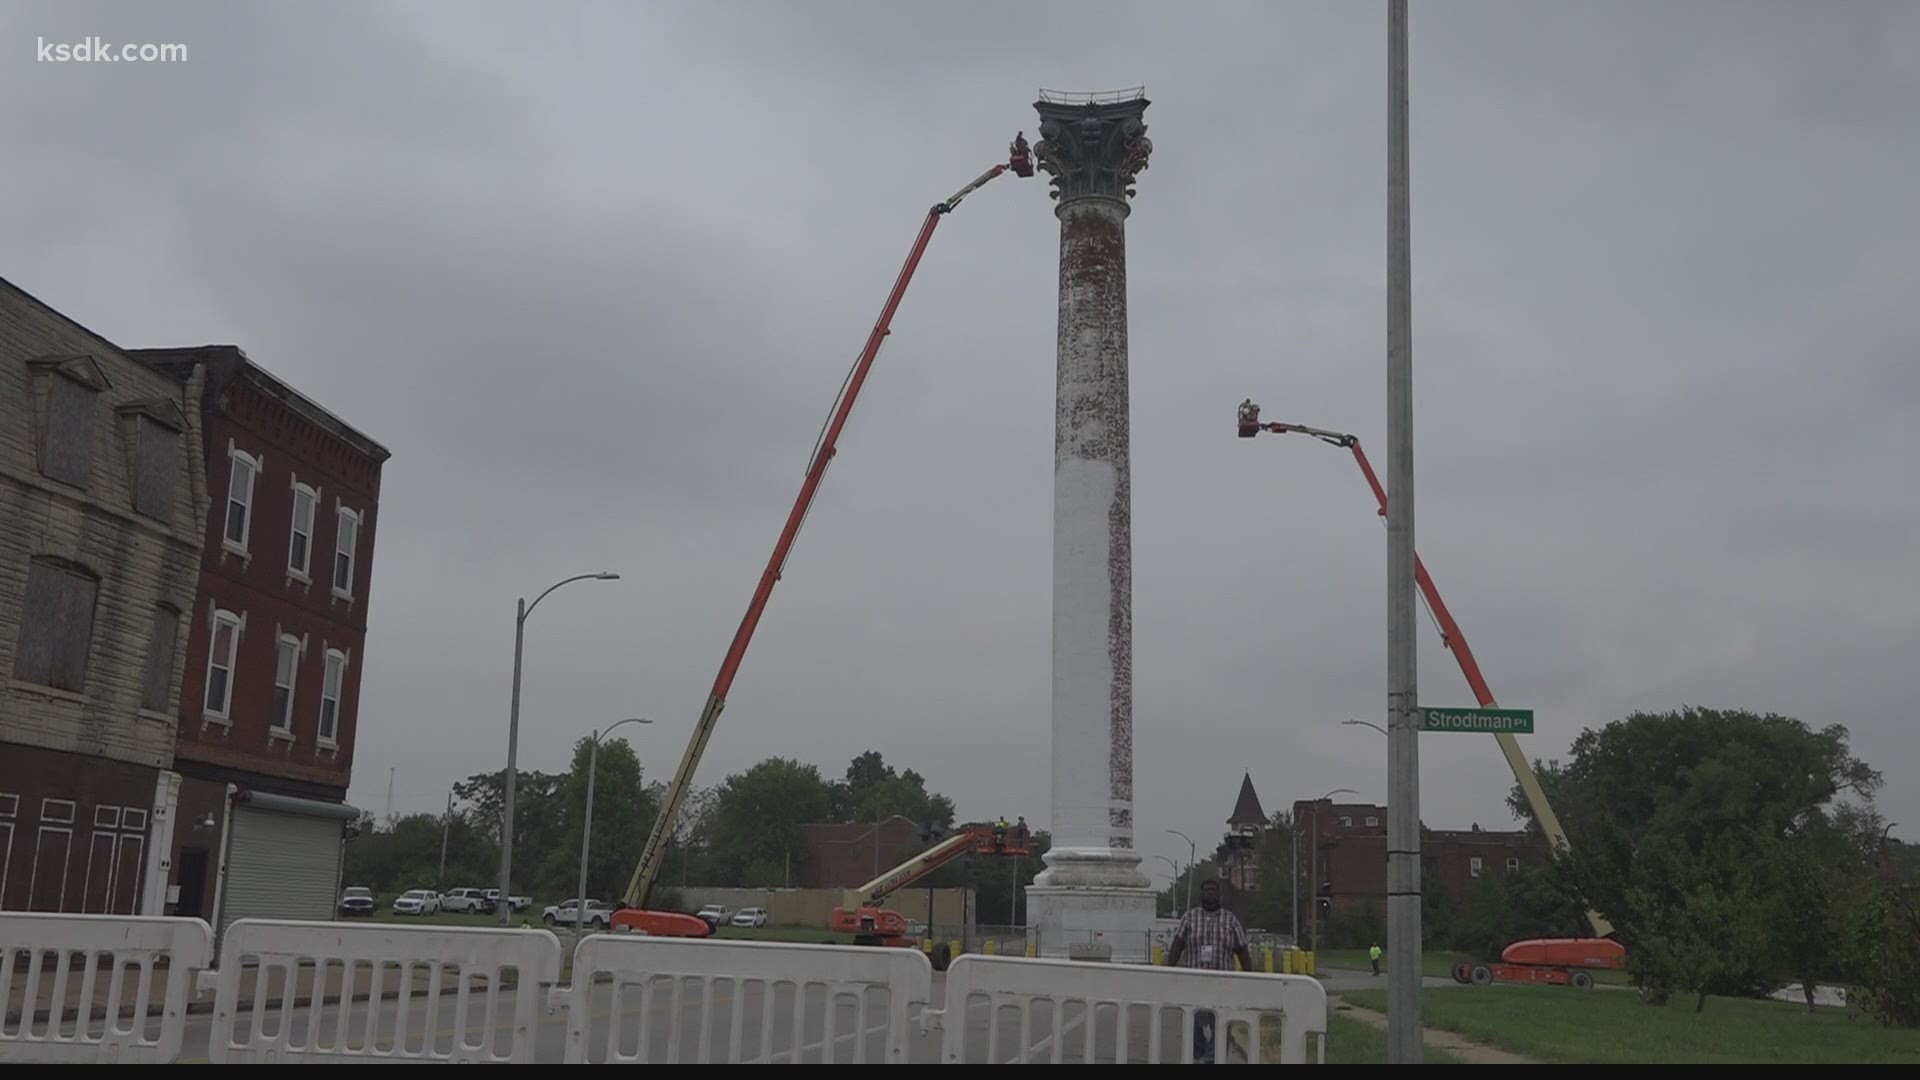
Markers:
<point>1092,144</point>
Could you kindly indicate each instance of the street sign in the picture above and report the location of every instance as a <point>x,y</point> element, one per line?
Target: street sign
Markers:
<point>1481,721</point>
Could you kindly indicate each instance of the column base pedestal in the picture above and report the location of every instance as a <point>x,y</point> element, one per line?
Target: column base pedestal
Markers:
<point>1081,915</point>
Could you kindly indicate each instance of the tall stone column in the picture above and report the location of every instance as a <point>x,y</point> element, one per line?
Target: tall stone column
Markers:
<point>1092,890</point>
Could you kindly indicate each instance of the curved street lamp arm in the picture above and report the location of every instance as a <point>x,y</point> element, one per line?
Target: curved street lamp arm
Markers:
<point>602,576</point>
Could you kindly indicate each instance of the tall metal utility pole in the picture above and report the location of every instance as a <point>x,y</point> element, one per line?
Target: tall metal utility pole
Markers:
<point>446,830</point>
<point>1406,1041</point>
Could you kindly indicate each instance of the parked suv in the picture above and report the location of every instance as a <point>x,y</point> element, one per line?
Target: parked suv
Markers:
<point>357,900</point>
<point>716,915</point>
<point>417,902</point>
<point>750,917</point>
<point>467,900</point>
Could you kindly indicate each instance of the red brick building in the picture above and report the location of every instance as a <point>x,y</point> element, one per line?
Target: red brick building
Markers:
<point>270,703</point>
<point>1352,843</point>
<point>848,856</point>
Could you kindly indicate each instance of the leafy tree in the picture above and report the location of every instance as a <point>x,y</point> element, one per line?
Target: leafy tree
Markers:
<point>538,813</point>
<point>757,817</point>
<point>1687,830</point>
<point>623,811</point>
<point>872,791</point>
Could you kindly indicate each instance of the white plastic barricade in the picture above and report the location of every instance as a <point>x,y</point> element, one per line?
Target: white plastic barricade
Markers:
<point>647,999</point>
<point>1012,1010</point>
<point>321,991</point>
<point>99,1012</point>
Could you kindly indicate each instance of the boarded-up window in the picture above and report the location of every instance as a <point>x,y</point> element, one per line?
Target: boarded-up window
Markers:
<point>66,442</point>
<point>56,625</point>
<point>156,684</point>
<point>156,467</point>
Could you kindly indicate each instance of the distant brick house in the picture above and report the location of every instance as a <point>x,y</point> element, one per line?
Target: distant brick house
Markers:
<point>1352,842</point>
<point>100,510</point>
<point>837,856</point>
<point>269,711</point>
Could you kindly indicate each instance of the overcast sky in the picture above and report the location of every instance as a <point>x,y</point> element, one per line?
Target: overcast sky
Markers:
<point>593,273</point>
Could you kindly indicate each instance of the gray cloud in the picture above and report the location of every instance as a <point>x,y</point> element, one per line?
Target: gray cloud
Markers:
<point>593,272</point>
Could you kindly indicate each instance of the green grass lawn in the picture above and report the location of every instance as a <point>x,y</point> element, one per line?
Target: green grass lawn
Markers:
<point>1350,1042</point>
<point>1558,1024</point>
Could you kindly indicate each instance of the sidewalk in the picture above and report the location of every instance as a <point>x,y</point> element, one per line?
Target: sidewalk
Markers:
<point>1472,1053</point>
<point>307,979</point>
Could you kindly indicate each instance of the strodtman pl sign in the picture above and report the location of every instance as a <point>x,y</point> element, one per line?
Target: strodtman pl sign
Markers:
<point>1478,721</point>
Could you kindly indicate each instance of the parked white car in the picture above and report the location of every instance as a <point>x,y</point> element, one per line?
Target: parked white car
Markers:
<point>565,913</point>
<point>715,914</point>
<point>417,902</point>
<point>471,901</point>
<point>750,917</point>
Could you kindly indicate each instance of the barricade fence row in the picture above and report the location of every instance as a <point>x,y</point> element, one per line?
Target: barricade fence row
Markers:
<point>79,988</point>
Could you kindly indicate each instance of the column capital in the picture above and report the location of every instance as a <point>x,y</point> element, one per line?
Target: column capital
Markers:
<point>1092,144</point>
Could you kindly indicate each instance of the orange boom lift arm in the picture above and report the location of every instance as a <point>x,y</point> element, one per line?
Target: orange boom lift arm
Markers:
<point>633,914</point>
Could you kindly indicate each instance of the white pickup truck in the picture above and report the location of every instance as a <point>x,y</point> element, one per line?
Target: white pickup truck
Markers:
<point>515,903</point>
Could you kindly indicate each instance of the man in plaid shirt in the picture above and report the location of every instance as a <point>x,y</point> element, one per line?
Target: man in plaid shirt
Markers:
<point>1209,937</point>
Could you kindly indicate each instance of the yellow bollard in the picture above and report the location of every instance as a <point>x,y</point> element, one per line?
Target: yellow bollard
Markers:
<point>1268,954</point>
<point>926,945</point>
<point>1159,955</point>
<point>1033,950</point>
<point>990,946</point>
<point>1286,962</point>
<point>958,947</point>
<point>1308,957</point>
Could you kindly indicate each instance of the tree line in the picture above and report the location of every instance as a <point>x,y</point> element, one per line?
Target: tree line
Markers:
<point>744,831</point>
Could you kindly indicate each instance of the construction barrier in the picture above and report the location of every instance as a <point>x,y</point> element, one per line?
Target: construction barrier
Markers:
<point>491,975</point>
<point>840,999</point>
<point>1021,1011</point>
<point>129,952</point>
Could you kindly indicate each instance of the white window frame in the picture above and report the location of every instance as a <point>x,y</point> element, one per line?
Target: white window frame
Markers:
<point>1373,822</point>
<point>342,515</point>
<point>303,570</point>
<point>333,684</point>
<point>235,455</point>
<point>222,711</point>
<point>1474,866</point>
<point>1513,864</point>
<point>274,726</point>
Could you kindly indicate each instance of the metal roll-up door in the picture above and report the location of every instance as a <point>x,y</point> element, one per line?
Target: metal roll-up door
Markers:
<point>283,859</point>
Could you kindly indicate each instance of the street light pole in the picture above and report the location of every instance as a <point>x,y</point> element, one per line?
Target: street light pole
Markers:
<point>586,823</point>
<point>1406,1037</point>
<point>1192,851</point>
<point>1367,723</point>
<point>1313,863</point>
<point>521,610</point>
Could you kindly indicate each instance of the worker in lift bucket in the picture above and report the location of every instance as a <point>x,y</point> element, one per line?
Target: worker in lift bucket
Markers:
<point>1211,938</point>
<point>1000,833</point>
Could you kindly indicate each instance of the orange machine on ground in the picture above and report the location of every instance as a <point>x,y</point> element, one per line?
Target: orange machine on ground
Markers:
<point>858,913</point>
<point>1553,961</point>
